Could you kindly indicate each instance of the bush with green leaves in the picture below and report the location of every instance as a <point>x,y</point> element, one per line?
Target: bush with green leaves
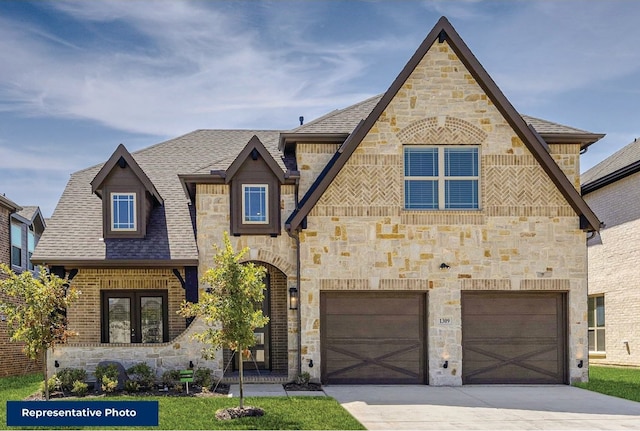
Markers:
<point>171,377</point>
<point>80,388</point>
<point>203,377</point>
<point>142,374</point>
<point>132,386</point>
<point>69,376</point>
<point>107,377</point>
<point>53,385</point>
<point>303,378</point>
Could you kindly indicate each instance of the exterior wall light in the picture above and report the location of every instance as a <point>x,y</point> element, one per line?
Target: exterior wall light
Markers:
<point>580,363</point>
<point>293,298</point>
<point>444,266</point>
<point>446,364</point>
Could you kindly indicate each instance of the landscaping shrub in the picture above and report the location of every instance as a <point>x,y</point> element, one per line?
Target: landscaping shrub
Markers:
<point>107,376</point>
<point>132,386</point>
<point>54,384</point>
<point>69,376</point>
<point>80,388</point>
<point>170,378</point>
<point>142,374</point>
<point>203,377</point>
<point>303,378</point>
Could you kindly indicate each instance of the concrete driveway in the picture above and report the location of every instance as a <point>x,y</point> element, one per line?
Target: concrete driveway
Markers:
<point>496,407</point>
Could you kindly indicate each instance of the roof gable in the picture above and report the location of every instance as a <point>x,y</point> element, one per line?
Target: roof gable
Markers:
<point>441,32</point>
<point>619,165</point>
<point>122,157</point>
<point>254,149</point>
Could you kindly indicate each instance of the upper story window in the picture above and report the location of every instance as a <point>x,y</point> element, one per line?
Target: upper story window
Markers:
<point>16,245</point>
<point>596,324</point>
<point>255,199</point>
<point>123,211</point>
<point>444,178</point>
<point>31,246</point>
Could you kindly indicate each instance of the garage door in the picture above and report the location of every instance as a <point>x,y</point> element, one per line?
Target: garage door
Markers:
<point>373,338</point>
<point>513,337</point>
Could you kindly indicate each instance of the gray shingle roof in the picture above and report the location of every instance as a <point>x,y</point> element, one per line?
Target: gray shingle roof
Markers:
<point>622,158</point>
<point>74,232</point>
<point>8,203</point>
<point>28,212</point>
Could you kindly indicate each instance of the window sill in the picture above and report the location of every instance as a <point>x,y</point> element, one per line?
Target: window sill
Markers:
<point>447,217</point>
<point>597,355</point>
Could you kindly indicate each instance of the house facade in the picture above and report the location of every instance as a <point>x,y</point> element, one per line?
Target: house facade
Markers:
<point>20,230</point>
<point>430,235</point>
<point>612,189</point>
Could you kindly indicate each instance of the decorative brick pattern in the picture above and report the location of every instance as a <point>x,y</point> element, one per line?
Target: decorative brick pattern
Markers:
<point>442,131</point>
<point>564,285</point>
<point>476,284</point>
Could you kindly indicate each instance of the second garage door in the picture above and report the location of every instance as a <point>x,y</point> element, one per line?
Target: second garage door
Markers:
<point>513,337</point>
<point>373,338</point>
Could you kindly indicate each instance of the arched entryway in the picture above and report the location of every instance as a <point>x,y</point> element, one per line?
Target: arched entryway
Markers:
<point>271,350</point>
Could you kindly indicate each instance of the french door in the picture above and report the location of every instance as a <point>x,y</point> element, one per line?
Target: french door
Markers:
<point>134,316</point>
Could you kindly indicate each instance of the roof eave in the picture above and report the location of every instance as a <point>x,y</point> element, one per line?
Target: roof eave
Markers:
<point>115,263</point>
<point>585,140</point>
<point>293,137</point>
<point>611,178</point>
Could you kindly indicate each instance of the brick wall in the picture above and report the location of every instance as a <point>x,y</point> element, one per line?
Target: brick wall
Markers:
<point>13,361</point>
<point>614,259</point>
<point>84,315</point>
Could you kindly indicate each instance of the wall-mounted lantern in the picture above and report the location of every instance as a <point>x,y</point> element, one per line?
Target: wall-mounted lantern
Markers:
<point>293,298</point>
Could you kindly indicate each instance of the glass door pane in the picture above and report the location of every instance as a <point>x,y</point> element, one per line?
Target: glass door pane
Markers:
<point>151,319</point>
<point>119,320</point>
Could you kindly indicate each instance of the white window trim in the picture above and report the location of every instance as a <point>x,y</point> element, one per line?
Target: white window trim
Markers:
<point>596,327</point>
<point>441,178</point>
<point>266,204</point>
<point>113,213</point>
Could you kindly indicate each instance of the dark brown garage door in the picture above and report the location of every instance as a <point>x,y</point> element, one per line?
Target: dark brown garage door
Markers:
<point>513,337</point>
<point>373,338</point>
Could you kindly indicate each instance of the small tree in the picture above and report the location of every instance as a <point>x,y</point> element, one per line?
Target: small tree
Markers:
<point>35,309</point>
<point>229,307</point>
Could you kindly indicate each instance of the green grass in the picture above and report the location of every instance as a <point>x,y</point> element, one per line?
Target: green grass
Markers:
<point>195,413</point>
<point>15,389</point>
<point>618,382</point>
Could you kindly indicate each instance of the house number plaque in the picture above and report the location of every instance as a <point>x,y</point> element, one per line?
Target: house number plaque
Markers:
<point>444,320</point>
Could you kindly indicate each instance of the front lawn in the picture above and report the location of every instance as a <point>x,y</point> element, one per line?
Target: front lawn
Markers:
<point>618,382</point>
<point>192,413</point>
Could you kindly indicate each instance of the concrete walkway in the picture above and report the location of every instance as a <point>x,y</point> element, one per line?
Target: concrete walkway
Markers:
<point>269,390</point>
<point>496,407</point>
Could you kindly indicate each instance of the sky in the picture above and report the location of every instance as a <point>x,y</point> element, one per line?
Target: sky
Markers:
<point>78,78</point>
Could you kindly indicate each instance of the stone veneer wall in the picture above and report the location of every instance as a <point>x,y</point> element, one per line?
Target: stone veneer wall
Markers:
<point>524,237</point>
<point>174,355</point>
<point>614,259</point>
<point>212,207</point>
<point>14,362</point>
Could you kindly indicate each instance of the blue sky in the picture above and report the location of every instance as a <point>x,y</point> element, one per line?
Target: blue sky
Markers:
<point>78,78</point>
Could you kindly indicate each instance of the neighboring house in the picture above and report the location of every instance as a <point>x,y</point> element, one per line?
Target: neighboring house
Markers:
<point>20,229</point>
<point>612,189</point>
<point>430,235</point>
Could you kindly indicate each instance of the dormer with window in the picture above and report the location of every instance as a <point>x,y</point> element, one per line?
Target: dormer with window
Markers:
<point>127,194</point>
<point>255,179</point>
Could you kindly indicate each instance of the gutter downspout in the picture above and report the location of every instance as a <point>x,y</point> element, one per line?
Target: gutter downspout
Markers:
<point>296,238</point>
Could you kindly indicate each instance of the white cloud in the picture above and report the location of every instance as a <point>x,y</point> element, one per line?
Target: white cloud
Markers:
<point>198,67</point>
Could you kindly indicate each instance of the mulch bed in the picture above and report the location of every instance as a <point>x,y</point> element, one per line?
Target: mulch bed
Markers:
<point>222,390</point>
<point>293,386</point>
<point>237,412</point>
